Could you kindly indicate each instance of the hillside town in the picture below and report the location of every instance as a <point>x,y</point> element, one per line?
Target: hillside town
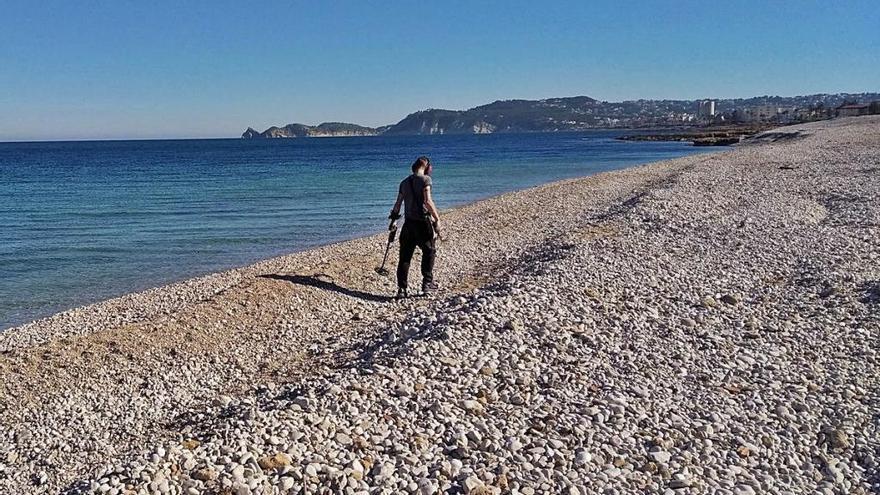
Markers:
<point>758,110</point>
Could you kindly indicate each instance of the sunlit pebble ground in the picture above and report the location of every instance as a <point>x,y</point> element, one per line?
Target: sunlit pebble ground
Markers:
<point>713,333</point>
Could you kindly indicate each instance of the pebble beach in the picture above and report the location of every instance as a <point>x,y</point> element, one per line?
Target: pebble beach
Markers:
<point>707,324</point>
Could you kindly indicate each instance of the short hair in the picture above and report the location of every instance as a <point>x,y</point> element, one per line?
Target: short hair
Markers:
<point>422,161</point>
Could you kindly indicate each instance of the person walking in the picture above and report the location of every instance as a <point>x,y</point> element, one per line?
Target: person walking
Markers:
<point>420,224</point>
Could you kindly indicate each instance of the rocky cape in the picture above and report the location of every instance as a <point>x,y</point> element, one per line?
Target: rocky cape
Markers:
<point>327,129</point>
<point>554,114</point>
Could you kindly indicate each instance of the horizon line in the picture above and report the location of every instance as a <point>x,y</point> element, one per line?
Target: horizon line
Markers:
<point>190,138</point>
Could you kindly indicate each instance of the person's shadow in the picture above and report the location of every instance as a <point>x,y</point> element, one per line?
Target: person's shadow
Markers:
<point>314,281</point>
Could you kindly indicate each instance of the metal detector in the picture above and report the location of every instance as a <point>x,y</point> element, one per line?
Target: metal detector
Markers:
<point>392,233</point>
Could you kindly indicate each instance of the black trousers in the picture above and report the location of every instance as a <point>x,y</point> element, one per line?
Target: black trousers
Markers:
<point>416,234</point>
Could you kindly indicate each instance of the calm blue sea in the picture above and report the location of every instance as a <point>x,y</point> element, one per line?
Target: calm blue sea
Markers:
<point>85,221</point>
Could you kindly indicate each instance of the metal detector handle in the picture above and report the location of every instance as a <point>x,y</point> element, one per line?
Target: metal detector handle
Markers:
<point>392,230</point>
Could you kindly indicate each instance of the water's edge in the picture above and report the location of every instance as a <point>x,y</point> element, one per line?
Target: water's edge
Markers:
<point>241,204</point>
<point>213,282</point>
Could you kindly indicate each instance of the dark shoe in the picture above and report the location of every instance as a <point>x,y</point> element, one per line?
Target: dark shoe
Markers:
<point>401,293</point>
<point>428,288</point>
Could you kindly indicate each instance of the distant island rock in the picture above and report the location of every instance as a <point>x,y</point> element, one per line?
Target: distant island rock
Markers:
<point>327,129</point>
<point>579,113</point>
<point>250,133</point>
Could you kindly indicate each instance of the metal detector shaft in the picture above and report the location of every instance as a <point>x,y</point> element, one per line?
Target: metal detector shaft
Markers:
<point>385,258</point>
<point>392,228</point>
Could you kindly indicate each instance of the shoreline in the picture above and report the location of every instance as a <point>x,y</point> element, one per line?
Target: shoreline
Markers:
<point>200,287</point>
<point>721,135</point>
<point>59,287</point>
<point>706,323</point>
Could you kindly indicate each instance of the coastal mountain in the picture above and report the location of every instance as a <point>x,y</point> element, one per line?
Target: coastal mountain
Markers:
<point>327,129</point>
<point>578,113</point>
<point>554,114</point>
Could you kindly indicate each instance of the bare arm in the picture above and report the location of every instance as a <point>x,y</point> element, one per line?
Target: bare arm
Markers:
<point>429,204</point>
<point>395,211</point>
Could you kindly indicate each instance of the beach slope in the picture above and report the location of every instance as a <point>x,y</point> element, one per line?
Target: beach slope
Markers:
<point>707,324</point>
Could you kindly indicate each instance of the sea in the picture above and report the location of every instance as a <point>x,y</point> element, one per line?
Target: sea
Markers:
<point>85,221</point>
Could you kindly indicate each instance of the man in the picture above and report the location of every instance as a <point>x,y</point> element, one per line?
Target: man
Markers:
<point>419,226</point>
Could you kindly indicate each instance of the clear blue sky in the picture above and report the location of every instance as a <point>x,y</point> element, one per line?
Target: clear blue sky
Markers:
<point>124,69</point>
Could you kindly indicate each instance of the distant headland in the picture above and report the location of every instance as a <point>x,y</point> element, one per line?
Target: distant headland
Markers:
<point>321,130</point>
<point>582,113</point>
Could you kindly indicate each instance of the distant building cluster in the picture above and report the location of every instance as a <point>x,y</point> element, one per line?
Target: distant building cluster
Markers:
<point>783,114</point>
<point>588,113</point>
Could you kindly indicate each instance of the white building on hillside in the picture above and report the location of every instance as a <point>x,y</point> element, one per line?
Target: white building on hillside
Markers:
<point>706,109</point>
